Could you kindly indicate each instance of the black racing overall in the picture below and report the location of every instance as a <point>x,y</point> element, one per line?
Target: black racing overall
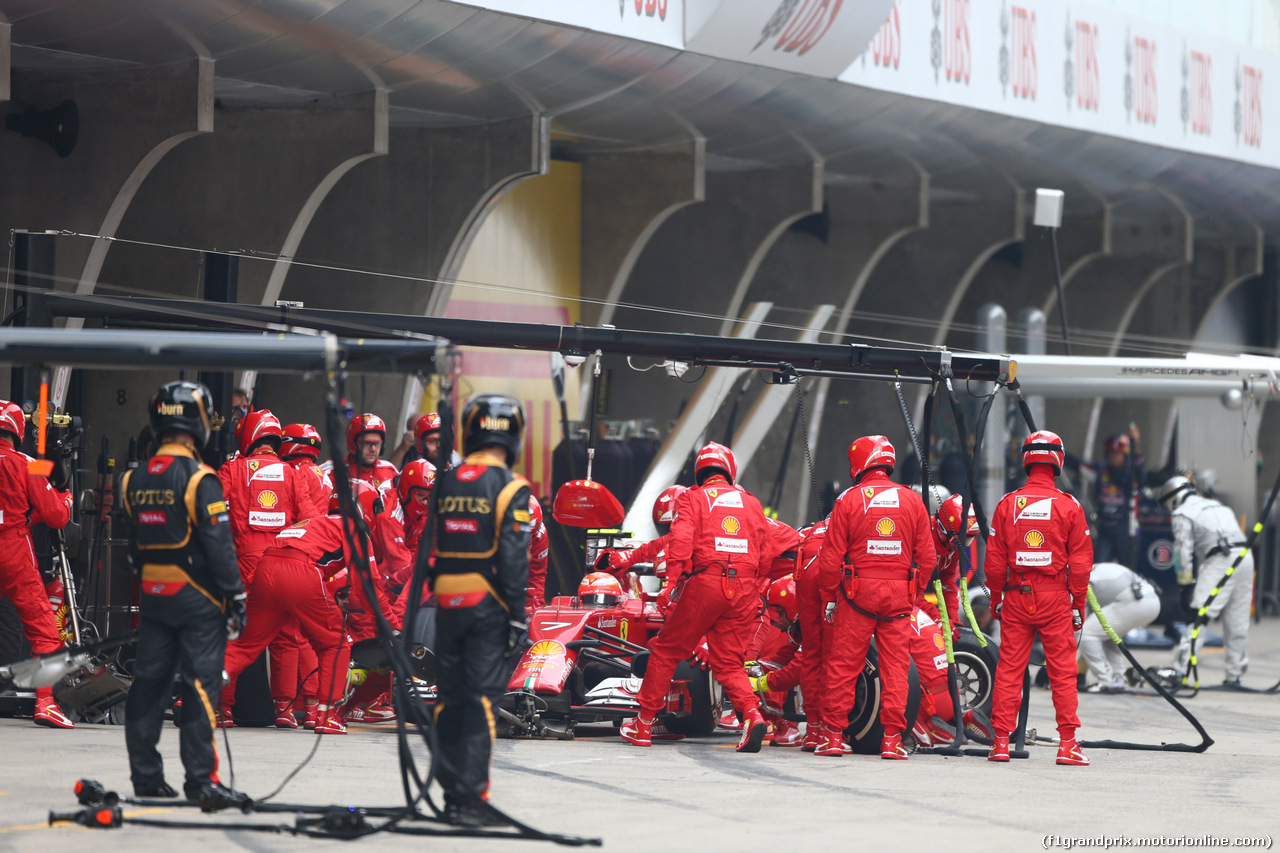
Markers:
<point>482,527</point>
<point>181,543</point>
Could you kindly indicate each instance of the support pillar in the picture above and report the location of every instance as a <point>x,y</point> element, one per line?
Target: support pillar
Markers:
<point>221,284</point>
<point>992,337</point>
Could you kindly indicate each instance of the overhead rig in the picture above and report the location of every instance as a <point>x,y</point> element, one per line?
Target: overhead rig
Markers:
<point>371,341</point>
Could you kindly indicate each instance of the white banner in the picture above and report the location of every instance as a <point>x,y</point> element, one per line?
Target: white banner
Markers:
<point>658,21</point>
<point>1078,66</point>
<point>817,37</point>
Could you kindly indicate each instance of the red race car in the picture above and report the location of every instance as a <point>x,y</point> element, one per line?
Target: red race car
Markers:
<point>586,659</point>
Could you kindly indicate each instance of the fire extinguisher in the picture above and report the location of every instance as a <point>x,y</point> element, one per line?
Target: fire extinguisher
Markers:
<point>58,601</point>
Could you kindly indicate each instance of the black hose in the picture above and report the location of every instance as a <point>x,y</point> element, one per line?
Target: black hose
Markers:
<point>1205,740</point>
<point>1023,407</point>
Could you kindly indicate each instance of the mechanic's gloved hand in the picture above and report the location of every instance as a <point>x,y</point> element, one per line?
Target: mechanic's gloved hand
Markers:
<point>996,608</point>
<point>664,599</point>
<point>829,612</point>
<point>517,637</point>
<point>607,561</point>
<point>237,613</point>
<point>1185,594</point>
<point>1077,620</point>
<point>761,684</point>
<point>60,476</point>
<point>955,633</point>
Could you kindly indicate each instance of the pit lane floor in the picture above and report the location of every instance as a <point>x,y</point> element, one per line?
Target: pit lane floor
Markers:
<point>701,795</point>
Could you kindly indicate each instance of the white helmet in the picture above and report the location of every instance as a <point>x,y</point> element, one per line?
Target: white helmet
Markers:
<point>1175,491</point>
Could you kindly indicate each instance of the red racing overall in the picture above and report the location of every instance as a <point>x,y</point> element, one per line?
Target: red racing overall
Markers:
<point>25,499</point>
<point>264,496</point>
<point>805,669</point>
<point>877,538</point>
<point>718,540</point>
<point>294,667</point>
<point>1038,561</point>
<point>290,592</point>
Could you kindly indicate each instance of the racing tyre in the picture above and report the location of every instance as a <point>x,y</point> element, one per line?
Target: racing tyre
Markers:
<point>976,671</point>
<point>865,730</point>
<point>701,721</point>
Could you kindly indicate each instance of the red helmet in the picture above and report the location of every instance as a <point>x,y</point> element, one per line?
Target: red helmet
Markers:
<point>257,427</point>
<point>13,420</point>
<point>1043,447</point>
<point>364,423</point>
<point>1118,443</point>
<point>715,457</point>
<point>300,440</point>
<point>870,451</point>
<point>946,524</point>
<point>599,589</point>
<point>418,474</point>
<point>368,501</point>
<point>426,425</point>
<point>664,508</point>
<point>535,512</point>
<point>782,596</point>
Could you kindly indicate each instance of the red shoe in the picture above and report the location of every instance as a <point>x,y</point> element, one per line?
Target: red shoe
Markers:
<point>284,714</point>
<point>1069,752</point>
<point>812,737</point>
<point>729,719</point>
<point>999,748</point>
<point>380,711</point>
<point>830,742</point>
<point>928,732</point>
<point>225,720</point>
<point>786,733</point>
<point>891,748</point>
<point>754,729</point>
<point>313,715</point>
<point>330,722</point>
<point>977,726</point>
<point>637,731</point>
<point>49,714</point>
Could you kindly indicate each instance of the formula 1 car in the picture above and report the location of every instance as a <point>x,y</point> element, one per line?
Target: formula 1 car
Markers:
<point>585,664</point>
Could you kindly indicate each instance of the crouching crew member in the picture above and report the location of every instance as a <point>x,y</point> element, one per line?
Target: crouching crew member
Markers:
<point>877,557</point>
<point>1038,561</point>
<point>192,596</point>
<point>482,525</point>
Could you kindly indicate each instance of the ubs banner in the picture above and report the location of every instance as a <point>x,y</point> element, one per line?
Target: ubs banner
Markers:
<point>1079,66</point>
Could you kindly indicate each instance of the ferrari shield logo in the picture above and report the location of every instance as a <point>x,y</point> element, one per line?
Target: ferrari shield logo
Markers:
<point>869,491</point>
<point>713,492</point>
<point>1021,502</point>
<point>253,464</point>
<point>623,629</point>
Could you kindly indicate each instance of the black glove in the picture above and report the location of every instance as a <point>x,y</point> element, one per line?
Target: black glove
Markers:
<point>1077,620</point>
<point>60,476</point>
<point>1185,593</point>
<point>236,615</point>
<point>517,637</point>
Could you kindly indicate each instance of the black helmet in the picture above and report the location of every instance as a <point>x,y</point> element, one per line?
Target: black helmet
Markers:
<point>493,419</point>
<point>185,406</point>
